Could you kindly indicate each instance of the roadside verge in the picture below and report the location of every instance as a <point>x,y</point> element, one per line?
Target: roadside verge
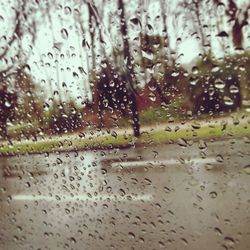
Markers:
<point>182,134</point>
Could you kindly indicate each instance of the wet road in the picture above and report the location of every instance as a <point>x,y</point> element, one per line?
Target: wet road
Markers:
<point>176,196</point>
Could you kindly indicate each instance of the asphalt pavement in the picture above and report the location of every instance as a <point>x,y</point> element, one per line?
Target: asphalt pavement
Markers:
<point>193,195</point>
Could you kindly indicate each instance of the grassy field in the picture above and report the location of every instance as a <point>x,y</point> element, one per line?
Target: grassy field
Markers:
<point>181,136</point>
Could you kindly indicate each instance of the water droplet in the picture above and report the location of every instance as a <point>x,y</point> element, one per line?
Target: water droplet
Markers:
<point>147,55</point>
<point>27,184</point>
<point>111,83</point>
<point>64,33</point>
<point>175,74</point>
<point>104,171</point>
<point>122,192</point>
<point>171,213</point>
<point>72,240</point>
<point>242,67</point>
<point>229,241</point>
<point>213,194</point>
<point>195,70</point>
<point>75,75</point>
<point>247,169</point>
<point>182,142</point>
<point>7,104</point>
<point>141,240</point>
<point>135,21</point>
<point>219,84</point>
<point>228,101</point>
<point>50,55</point>
<point>67,10</point>
<point>239,51</point>
<point>131,235</point>
<point>202,145</point>
<point>59,161</point>
<point>184,240</point>
<point>211,91</point>
<point>105,206</point>
<point>196,125</point>
<point>215,68</point>
<point>105,103</point>
<point>178,40</point>
<point>168,129</point>
<point>152,97</point>
<point>152,87</point>
<point>218,231</point>
<point>80,232</point>
<point>150,28</point>
<point>223,34</point>
<point>161,244</point>
<point>114,134</point>
<point>209,166</point>
<point>219,158</point>
<point>193,81</point>
<point>148,181</point>
<point>233,89</point>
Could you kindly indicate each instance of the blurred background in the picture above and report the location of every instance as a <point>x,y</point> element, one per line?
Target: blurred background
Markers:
<point>71,65</point>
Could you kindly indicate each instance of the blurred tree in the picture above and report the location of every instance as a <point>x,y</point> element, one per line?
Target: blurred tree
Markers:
<point>23,24</point>
<point>215,86</point>
<point>118,71</point>
<point>30,103</point>
<point>238,18</point>
<point>7,104</point>
<point>114,94</point>
<point>16,47</point>
<point>63,118</point>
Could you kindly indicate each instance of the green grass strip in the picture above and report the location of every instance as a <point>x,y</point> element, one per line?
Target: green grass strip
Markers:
<point>109,141</point>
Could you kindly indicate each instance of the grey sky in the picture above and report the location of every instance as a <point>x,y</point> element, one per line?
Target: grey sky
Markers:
<point>62,64</point>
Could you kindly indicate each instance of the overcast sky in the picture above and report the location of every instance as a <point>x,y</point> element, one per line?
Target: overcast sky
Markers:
<point>58,55</point>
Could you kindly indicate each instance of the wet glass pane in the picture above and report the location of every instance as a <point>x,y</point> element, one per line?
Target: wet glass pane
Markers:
<point>124,124</point>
